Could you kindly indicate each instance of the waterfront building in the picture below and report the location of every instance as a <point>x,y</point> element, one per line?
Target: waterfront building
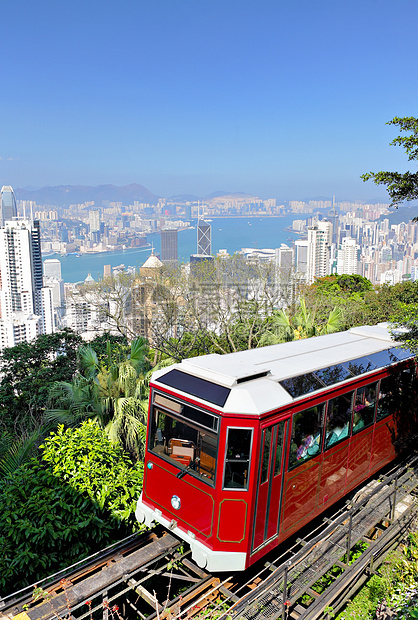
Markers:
<point>107,271</point>
<point>52,268</point>
<point>8,209</point>
<point>204,244</point>
<point>256,255</point>
<point>26,306</point>
<point>169,245</point>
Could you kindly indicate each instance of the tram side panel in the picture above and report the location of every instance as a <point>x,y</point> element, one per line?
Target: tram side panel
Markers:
<point>315,481</point>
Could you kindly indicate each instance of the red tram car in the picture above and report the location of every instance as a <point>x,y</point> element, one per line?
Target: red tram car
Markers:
<point>244,449</point>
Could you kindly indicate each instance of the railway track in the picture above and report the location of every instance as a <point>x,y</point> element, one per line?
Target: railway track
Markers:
<point>150,575</point>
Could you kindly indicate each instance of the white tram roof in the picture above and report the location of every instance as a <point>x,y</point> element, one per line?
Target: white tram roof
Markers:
<point>253,377</point>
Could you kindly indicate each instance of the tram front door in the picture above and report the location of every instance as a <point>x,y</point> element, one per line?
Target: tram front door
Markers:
<point>269,484</point>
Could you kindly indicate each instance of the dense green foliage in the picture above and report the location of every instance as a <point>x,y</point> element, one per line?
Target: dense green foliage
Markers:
<point>72,500</point>
<point>85,459</point>
<point>302,323</point>
<point>27,373</point>
<point>360,303</point>
<point>400,186</point>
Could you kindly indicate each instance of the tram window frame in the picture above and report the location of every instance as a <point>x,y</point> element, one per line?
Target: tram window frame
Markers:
<point>240,462</point>
<point>267,436</point>
<point>314,439</point>
<point>392,380</point>
<point>198,448</point>
<point>279,447</point>
<point>358,407</point>
<point>340,417</point>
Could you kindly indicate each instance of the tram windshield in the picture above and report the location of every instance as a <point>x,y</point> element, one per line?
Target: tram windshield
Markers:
<point>185,435</point>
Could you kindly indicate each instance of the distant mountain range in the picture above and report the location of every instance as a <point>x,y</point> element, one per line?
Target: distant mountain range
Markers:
<point>65,195</point>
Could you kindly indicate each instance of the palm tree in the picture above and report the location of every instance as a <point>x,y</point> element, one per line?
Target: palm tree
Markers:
<point>111,392</point>
<point>15,452</point>
<point>300,325</point>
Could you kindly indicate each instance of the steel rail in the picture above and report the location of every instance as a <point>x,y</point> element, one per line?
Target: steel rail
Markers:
<point>274,596</point>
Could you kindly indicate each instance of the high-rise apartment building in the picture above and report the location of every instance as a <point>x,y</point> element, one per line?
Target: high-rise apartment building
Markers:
<point>318,258</point>
<point>53,280</point>
<point>169,245</point>
<point>8,208</point>
<point>25,304</point>
<point>301,246</point>
<point>347,257</point>
<point>52,268</point>
<point>284,257</point>
<point>94,220</point>
<point>204,245</point>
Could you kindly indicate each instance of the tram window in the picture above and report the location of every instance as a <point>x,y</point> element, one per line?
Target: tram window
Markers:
<point>402,354</point>
<point>266,454</point>
<point>306,435</point>
<point>338,419</point>
<point>237,458</point>
<point>303,384</point>
<point>387,392</point>
<point>360,365</point>
<point>184,444</point>
<point>383,358</point>
<point>364,407</point>
<point>333,374</point>
<point>279,448</point>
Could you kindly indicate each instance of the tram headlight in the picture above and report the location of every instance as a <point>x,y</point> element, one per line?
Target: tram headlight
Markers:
<point>175,502</point>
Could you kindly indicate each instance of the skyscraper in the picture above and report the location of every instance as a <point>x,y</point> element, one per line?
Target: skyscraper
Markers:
<point>319,240</point>
<point>8,208</point>
<point>25,305</point>
<point>347,257</point>
<point>52,268</point>
<point>169,245</point>
<point>204,245</point>
<point>53,280</point>
<point>301,255</point>
<point>284,257</point>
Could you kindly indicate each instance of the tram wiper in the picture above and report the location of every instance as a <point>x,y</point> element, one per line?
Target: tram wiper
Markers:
<point>191,465</point>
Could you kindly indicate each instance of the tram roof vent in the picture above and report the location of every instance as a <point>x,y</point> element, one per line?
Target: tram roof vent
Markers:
<point>257,375</point>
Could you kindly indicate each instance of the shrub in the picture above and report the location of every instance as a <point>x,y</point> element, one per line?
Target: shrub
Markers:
<point>73,500</point>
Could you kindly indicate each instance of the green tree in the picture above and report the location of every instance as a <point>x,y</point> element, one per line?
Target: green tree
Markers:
<point>400,186</point>
<point>346,292</point>
<point>112,392</point>
<point>28,370</point>
<point>119,346</point>
<point>301,324</point>
<point>342,284</point>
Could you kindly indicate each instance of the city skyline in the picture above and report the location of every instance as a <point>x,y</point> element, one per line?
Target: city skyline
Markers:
<point>272,98</point>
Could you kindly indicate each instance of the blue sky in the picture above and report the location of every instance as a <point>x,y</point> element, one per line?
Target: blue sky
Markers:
<point>283,98</point>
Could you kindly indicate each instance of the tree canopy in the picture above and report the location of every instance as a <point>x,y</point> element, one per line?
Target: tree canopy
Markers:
<point>400,186</point>
<point>28,371</point>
